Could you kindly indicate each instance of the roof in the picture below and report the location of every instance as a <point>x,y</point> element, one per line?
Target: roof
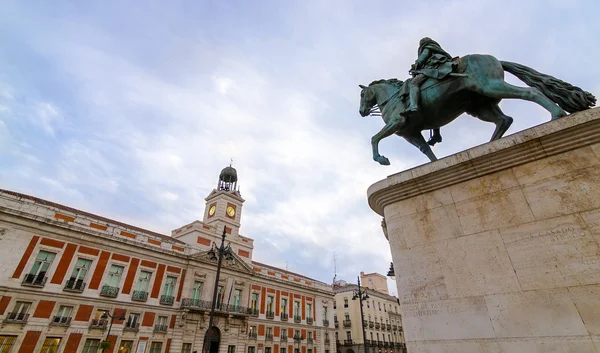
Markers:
<point>91,215</point>
<point>284,271</point>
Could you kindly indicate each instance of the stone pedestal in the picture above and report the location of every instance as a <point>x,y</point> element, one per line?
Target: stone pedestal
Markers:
<point>497,248</point>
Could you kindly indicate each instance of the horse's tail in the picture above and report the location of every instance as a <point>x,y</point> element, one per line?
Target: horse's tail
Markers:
<point>568,97</point>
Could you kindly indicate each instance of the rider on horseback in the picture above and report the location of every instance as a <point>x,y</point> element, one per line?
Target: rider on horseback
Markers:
<point>433,62</point>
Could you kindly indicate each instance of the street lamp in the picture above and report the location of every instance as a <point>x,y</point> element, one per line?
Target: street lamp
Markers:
<point>298,338</point>
<point>361,295</point>
<point>216,254</point>
<point>391,273</point>
<point>105,316</point>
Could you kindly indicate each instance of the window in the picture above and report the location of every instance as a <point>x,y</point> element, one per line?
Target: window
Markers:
<point>377,336</point>
<point>371,336</point>
<point>155,347</point>
<point>282,350</point>
<point>143,281</point>
<point>6,343</point>
<point>284,303</point>
<point>126,347</point>
<point>91,345</point>
<point>296,308</point>
<point>63,315</point>
<point>345,302</point>
<point>168,288</point>
<point>269,307</point>
<point>384,308</point>
<point>336,337</point>
<point>368,306</point>
<point>162,321</point>
<point>324,313</point>
<point>237,299</point>
<point>347,317</point>
<point>133,320</point>
<point>220,294</point>
<point>310,335</point>
<point>334,305</point>
<point>19,311</point>
<point>251,349</point>
<point>230,349</point>
<point>254,304</point>
<point>389,337</point>
<point>197,290</point>
<point>50,345</point>
<point>379,304</point>
<point>40,267</point>
<point>252,331</point>
<point>269,332</point>
<point>82,266</point>
<point>349,335</point>
<point>309,310</point>
<point>114,275</point>
<point>308,350</point>
<point>395,308</point>
<point>186,348</point>
<point>267,349</point>
<point>326,335</point>
<point>335,318</point>
<point>99,314</point>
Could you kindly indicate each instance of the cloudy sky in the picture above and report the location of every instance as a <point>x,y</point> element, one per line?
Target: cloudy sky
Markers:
<point>129,109</point>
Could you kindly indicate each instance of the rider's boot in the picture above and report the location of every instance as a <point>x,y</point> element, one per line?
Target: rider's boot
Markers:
<point>414,95</point>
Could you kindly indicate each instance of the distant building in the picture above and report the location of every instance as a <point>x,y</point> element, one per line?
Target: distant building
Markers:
<point>374,281</point>
<point>65,269</point>
<point>382,319</point>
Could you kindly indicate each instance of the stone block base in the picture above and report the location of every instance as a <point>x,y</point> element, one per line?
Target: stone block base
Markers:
<point>497,248</point>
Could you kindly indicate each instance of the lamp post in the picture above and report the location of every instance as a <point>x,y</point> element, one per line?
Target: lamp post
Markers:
<point>105,316</point>
<point>220,251</point>
<point>298,338</point>
<point>361,295</point>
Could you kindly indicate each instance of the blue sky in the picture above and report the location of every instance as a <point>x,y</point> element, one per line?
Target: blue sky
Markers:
<point>130,109</point>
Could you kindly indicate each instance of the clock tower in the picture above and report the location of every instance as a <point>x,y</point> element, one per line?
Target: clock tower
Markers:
<point>224,204</point>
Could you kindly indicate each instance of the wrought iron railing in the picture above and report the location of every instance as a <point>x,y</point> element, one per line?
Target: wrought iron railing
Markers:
<point>394,327</point>
<point>252,335</point>
<point>388,327</point>
<point>347,323</point>
<point>109,291</point>
<point>160,328</point>
<point>371,324</point>
<point>327,341</point>
<point>336,324</point>
<point>270,314</point>
<point>205,305</point>
<point>34,280</point>
<point>74,285</point>
<point>268,337</point>
<point>99,324</point>
<point>283,338</point>
<point>309,320</point>
<point>131,326</point>
<point>348,342</point>
<point>139,296</point>
<point>167,299</point>
<point>310,340</point>
<point>16,317</point>
<point>297,318</point>
<point>325,322</point>
<point>61,321</point>
<point>377,325</point>
<point>283,317</point>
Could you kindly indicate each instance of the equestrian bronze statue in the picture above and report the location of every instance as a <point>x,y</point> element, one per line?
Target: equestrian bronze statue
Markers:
<point>443,87</point>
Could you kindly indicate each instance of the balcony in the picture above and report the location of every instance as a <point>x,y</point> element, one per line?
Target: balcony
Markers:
<point>33,280</point>
<point>388,327</point>
<point>327,341</point>
<point>371,324</point>
<point>348,342</point>
<point>372,343</point>
<point>252,335</point>
<point>347,323</point>
<point>61,321</point>
<point>325,323</point>
<point>270,314</point>
<point>283,339</point>
<point>109,291</point>
<point>167,299</point>
<point>283,317</point>
<point>160,328</point>
<point>379,344</point>
<point>269,337</point>
<point>367,342</point>
<point>336,324</point>
<point>253,312</point>
<point>139,296</point>
<point>74,285</point>
<point>394,327</point>
<point>309,320</point>
<point>385,344</point>
<point>99,324</point>
<point>310,341</point>
<point>131,326</point>
<point>377,326</point>
<point>205,305</point>
<point>297,318</point>
<point>16,318</point>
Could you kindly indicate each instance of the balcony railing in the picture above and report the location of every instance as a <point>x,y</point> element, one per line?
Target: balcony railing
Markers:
<point>131,326</point>
<point>348,342</point>
<point>252,335</point>
<point>367,342</point>
<point>325,322</point>
<point>283,317</point>
<point>167,299</point>
<point>388,327</point>
<point>377,325</point>
<point>99,324</point>
<point>297,318</point>
<point>283,339</point>
<point>139,296</point>
<point>379,344</point>
<point>372,343</point>
<point>160,328</point>
<point>336,324</point>
<point>309,320</point>
<point>74,285</point>
<point>371,324</point>
<point>394,327</point>
<point>268,337</point>
<point>33,280</point>
<point>205,305</point>
<point>385,344</point>
<point>327,341</point>
<point>16,317</point>
<point>270,314</point>
<point>310,341</point>
<point>109,291</point>
<point>61,321</point>
<point>347,323</point>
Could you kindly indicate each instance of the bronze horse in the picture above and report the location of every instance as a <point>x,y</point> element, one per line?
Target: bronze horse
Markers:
<point>476,89</point>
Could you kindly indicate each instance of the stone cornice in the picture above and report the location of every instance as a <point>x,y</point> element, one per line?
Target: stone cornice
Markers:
<point>551,138</point>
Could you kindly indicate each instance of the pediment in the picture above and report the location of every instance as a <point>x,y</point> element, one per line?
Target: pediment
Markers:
<point>236,263</point>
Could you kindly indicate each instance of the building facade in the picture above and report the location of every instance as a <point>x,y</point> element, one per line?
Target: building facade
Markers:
<point>382,319</point>
<point>73,280</point>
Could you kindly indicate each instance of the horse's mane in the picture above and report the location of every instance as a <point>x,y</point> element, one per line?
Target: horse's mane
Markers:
<point>391,81</point>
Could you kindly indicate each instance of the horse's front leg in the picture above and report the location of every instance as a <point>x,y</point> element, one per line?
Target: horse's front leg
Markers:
<point>391,127</point>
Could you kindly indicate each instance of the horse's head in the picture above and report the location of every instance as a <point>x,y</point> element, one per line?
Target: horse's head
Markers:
<point>367,100</point>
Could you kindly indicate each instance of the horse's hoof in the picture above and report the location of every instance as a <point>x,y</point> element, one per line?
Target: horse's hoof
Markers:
<point>559,115</point>
<point>383,160</point>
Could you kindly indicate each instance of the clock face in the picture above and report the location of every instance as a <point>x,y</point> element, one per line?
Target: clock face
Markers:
<point>212,210</point>
<point>230,211</point>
